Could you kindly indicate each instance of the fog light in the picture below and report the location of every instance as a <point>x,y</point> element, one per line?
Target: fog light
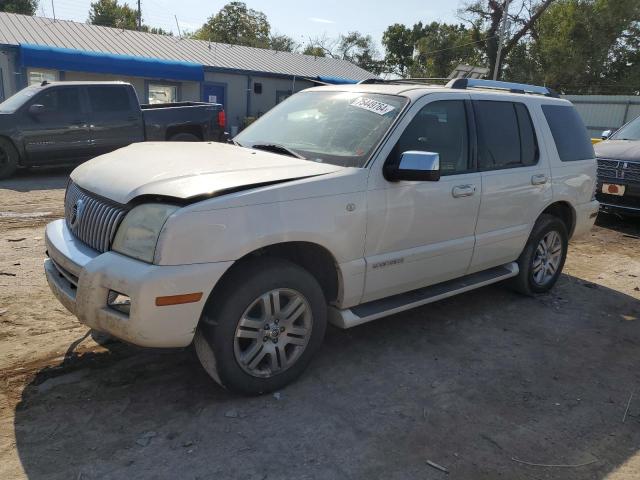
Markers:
<point>119,302</point>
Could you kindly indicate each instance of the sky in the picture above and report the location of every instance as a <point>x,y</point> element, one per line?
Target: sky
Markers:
<point>299,19</point>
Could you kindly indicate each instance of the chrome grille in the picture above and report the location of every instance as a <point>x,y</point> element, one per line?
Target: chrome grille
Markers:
<point>92,220</point>
<point>618,169</point>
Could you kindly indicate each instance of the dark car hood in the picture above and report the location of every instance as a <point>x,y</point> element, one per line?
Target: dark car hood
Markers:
<point>618,149</point>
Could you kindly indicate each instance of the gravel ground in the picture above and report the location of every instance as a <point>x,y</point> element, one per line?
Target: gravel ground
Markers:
<point>478,384</point>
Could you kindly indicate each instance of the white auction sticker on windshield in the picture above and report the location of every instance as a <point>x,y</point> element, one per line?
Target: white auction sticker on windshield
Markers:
<point>372,105</point>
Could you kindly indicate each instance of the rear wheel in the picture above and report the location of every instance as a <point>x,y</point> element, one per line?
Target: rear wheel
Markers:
<point>543,257</point>
<point>263,327</point>
<point>184,137</point>
<point>8,158</point>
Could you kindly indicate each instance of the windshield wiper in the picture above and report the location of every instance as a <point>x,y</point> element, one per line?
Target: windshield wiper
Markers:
<point>277,148</point>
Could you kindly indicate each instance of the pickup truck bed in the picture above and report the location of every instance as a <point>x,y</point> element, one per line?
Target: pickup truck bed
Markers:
<point>70,122</point>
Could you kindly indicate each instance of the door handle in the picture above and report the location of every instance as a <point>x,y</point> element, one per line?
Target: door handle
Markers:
<point>540,179</point>
<point>463,191</point>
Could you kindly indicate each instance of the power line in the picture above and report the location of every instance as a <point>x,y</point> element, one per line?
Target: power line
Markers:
<point>458,46</point>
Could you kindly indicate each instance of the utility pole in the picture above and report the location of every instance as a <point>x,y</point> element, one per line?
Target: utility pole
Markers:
<point>53,9</point>
<point>503,31</point>
<point>139,17</point>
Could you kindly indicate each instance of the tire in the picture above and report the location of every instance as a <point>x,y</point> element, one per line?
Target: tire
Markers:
<point>9,158</point>
<point>534,257</point>
<point>233,342</point>
<point>184,137</point>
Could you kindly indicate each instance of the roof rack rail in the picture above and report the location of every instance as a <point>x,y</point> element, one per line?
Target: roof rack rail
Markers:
<point>464,83</point>
<point>371,81</point>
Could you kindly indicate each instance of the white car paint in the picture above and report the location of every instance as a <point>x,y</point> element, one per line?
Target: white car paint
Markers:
<point>385,237</point>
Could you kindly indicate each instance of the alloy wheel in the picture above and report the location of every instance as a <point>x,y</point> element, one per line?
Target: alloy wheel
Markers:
<point>273,332</point>
<point>547,258</point>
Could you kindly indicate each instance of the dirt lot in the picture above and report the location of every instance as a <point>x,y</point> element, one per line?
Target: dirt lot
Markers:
<point>478,384</point>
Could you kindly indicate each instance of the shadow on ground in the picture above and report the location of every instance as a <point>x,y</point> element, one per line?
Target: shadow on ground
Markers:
<point>469,383</point>
<point>625,225</point>
<point>40,178</point>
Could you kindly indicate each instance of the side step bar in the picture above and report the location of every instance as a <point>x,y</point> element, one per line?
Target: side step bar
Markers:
<point>373,310</point>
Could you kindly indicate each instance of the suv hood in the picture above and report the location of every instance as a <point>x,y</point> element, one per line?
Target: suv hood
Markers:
<point>618,149</point>
<point>187,170</point>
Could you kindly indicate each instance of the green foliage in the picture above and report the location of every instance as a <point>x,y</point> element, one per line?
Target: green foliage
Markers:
<point>282,43</point>
<point>589,46</point>
<point>399,42</point>
<point>109,13</point>
<point>354,47</point>
<point>432,50</point>
<point>237,25</point>
<point>25,7</point>
<point>315,50</point>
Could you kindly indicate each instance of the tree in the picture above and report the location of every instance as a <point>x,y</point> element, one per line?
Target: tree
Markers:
<point>354,47</point>
<point>441,47</point>
<point>590,46</point>
<point>398,41</point>
<point>485,17</point>
<point>282,43</point>
<point>25,7</point>
<point>315,50</point>
<point>108,13</point>
<point>237,25</point>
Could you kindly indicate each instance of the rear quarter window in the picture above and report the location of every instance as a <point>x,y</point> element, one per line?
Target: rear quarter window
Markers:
<point>569,133</point>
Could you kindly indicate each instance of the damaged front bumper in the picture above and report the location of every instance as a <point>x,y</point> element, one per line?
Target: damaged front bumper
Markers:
<point>82,280</point>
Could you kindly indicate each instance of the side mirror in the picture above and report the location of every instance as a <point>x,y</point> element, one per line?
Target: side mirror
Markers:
<point>606,134</point>
<point>36,109</point>
<point>415,165</point>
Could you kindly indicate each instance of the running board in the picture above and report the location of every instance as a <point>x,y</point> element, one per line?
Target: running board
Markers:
<point>369,311</point>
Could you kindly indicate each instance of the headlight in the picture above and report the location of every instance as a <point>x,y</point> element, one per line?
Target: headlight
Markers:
<point>138,233</point>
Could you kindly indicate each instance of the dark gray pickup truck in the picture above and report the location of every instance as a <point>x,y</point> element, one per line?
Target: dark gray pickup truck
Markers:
<point>69,122</point>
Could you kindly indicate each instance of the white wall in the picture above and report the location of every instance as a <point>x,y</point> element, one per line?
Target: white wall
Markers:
<point>605,112</point>
<point>240,87</point>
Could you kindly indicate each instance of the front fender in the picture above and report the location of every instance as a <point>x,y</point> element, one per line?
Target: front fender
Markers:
<point>231,233</point>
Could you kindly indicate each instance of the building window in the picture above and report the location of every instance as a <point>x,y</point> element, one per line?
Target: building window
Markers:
<point>257,88</point>
<point>36,77</point>
<point>162,93</point>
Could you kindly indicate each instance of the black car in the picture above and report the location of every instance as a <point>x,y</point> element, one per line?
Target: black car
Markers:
<point>69,122</point>
<point>619,170</point>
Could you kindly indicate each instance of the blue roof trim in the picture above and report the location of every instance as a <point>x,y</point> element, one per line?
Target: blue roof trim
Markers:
<point>68,59</point>
<point>336,80</point>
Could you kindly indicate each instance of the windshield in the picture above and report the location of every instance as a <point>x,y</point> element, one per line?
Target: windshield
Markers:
<point>341,128</point>
<point>631,131</point>
<point>14,102</point>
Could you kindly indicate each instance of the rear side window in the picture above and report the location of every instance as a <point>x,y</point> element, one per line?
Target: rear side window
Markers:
<point>506,137</point>
<point>569,134</point>
<point>109,99</point>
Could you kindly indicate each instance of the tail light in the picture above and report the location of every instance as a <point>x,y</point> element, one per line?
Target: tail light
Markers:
<point>222,118</point>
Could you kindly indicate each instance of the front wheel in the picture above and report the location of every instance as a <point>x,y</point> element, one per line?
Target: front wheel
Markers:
<point>543,257</point>
<point>262,327</point>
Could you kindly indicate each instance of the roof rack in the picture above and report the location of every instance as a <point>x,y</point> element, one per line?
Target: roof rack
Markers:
<point>464,83</point>
<point>371,81</point>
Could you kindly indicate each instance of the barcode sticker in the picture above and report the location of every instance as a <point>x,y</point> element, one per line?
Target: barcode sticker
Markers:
<point>372,105</point>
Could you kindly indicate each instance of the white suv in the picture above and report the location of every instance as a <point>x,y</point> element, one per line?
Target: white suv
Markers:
<point>342,204</point>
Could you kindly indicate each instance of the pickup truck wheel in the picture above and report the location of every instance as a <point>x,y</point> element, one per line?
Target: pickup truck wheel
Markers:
<point>543,257</point>
<point>184,137</point>
<point>8,158</point>
<point>263,327</point>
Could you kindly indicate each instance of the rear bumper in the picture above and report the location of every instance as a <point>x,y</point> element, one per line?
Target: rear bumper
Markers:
<point>81,279</point>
